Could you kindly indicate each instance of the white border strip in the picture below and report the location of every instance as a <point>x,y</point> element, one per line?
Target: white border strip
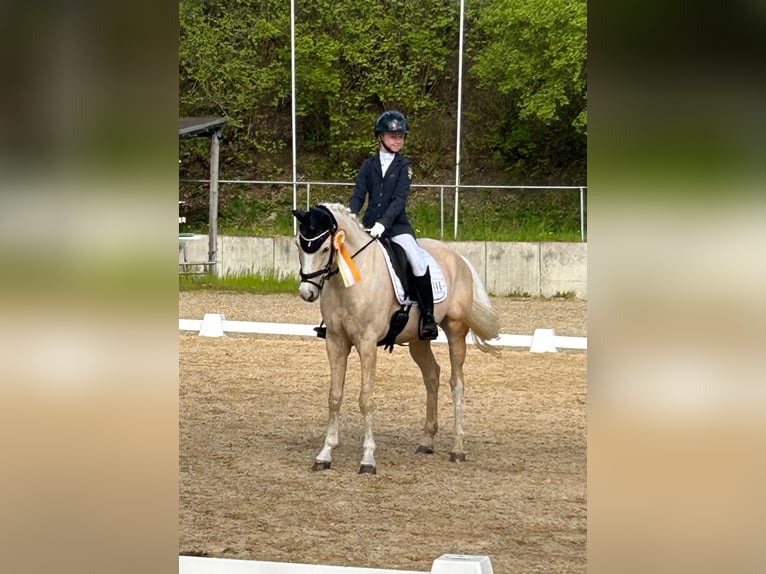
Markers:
<point>445,564</point>
<point>216,325</point>
<point>199,565</point>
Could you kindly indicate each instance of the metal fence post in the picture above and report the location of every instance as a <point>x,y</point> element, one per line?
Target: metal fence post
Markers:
<point>441,211</point>
<point>457,195</point>
<point>212,250</point>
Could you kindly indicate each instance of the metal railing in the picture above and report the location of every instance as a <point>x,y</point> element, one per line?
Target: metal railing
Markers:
<point>441,187</point>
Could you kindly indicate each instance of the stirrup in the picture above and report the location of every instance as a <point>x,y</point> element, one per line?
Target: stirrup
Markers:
<point>427,331</point>
<point>321,331</point>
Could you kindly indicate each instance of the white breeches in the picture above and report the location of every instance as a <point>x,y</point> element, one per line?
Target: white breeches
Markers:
<point>412,250</point>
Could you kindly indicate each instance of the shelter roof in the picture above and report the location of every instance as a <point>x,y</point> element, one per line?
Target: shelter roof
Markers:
<point>191,127</point>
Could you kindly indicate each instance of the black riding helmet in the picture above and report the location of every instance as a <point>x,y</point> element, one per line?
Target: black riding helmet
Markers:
<point>391,121</point>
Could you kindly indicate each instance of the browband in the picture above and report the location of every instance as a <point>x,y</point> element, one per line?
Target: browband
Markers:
<point>306,243</point>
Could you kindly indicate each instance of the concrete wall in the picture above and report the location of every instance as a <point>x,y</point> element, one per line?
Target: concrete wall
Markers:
<point>537,269</point>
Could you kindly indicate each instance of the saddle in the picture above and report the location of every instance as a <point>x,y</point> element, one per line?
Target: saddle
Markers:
<point>401,265</point>
<point>401,316</point>
<point>403,270</point>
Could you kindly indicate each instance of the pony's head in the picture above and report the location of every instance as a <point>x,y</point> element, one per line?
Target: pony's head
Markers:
<point>315,248</point>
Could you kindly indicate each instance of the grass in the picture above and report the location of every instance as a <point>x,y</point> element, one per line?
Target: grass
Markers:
<point>269,284</point>
<point>484,214</point>
<point>265,284</point>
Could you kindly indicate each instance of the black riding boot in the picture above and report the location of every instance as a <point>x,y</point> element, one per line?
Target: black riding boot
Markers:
<point>428,330</point>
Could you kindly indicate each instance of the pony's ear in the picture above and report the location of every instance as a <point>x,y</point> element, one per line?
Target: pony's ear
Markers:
<point>325,219</point>
<point>300,215</point>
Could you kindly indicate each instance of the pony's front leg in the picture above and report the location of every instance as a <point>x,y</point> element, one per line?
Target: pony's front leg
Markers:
<point>368,355</point>
<point>337,353</point>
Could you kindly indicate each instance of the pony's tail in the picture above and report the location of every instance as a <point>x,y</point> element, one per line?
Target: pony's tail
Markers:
<point>482,318</point>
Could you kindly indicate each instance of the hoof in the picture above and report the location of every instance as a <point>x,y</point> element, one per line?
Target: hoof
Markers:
<point>457,457</point>
<point>424,450</point>
<point>367,469</point>
<point>321,465</point>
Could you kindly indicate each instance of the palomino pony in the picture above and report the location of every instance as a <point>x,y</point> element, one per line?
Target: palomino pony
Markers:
<point>358,315</point>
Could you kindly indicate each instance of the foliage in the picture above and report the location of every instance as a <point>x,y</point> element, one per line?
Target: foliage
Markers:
<point>524,91</point>
<point>357,58</point>
<point>529,57</point>
<point>232,57</point>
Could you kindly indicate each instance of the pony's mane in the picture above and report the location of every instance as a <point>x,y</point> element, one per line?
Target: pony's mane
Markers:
<point>343,210</point>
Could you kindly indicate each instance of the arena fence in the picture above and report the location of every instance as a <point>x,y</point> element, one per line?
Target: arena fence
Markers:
<point>455,190</point>
<point>445,564</point>
<point>216,325</point>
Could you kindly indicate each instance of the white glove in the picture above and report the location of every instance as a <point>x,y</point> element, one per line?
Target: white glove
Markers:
<point>377,230</point>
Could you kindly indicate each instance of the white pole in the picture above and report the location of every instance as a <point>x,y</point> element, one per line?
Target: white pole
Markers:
<point>292,77</point>
<point>459,113</point>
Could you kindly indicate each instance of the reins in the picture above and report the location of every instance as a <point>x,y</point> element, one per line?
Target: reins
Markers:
<point>326,271</point>
<point>362,248</point>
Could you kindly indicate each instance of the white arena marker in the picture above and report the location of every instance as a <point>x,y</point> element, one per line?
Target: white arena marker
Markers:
<point>543,341</point>
<point>461,564</point>
<point>212,325</point>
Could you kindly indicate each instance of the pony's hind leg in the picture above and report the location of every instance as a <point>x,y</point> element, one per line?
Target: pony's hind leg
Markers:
<point>424,357</point>
<point>337,353</point>
<point>456,333</point>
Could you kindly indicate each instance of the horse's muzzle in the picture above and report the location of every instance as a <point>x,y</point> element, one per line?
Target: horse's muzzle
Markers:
<point>308,292</point>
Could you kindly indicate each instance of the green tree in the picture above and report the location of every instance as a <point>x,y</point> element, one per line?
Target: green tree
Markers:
<point>357,58</point>
<point>234,61</point>
<point>524,85</point>
<point>528,61</point>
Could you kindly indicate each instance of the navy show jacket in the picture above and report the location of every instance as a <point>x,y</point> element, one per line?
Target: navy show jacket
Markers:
<point>386,196</point>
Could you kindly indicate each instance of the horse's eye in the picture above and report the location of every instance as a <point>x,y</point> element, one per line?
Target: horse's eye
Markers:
<point>325,249</point>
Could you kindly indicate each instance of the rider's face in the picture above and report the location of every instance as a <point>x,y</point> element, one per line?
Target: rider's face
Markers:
<point>393,140</point>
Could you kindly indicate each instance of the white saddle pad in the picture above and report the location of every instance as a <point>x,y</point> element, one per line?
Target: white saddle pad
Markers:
<point>438,284</point>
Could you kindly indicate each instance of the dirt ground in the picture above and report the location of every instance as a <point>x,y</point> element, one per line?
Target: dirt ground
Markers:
<point>253,414</point>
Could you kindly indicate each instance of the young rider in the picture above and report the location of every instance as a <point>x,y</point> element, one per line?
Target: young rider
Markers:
<point>384,180</point>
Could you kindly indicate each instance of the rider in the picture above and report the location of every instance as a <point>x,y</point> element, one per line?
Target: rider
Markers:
<point>384,180</point>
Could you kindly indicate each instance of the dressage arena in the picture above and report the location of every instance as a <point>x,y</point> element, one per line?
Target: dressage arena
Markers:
<point>253,414</point>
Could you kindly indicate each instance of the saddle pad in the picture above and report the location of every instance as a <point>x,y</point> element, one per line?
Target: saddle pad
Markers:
<point>438,284</point>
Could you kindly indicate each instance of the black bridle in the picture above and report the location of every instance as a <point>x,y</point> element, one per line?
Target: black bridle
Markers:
<point>324,272</point>
<point>327,271</point>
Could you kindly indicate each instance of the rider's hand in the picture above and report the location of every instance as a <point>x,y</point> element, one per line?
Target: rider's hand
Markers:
<point>377,230</point>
